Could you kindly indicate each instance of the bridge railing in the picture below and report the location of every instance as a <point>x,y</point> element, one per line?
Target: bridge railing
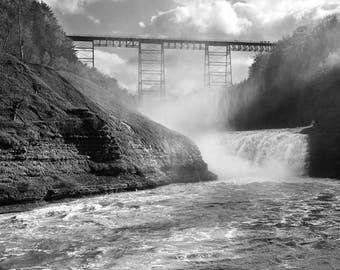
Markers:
<point>151,75</point>
<point>170,43</point>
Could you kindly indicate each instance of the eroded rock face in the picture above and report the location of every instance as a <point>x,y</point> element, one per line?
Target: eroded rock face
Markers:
<point>68,146</point>
<point>324,150</point>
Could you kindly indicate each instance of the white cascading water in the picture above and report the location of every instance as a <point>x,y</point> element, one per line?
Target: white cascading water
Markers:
<point>255,153</point>
<point>258,210</point>
<point>262,153</point>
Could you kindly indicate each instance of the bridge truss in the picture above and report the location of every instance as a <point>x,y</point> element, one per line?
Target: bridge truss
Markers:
<point>85,52</point>
<point>151,64</point>
<point>151,70</point>
<point>217,67</point>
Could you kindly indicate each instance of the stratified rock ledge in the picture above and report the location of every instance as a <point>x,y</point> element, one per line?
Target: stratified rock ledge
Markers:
<point>65,145</point>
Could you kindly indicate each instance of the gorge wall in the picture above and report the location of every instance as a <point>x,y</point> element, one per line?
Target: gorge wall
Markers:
<point>297,84</point>
<point>62,144</point>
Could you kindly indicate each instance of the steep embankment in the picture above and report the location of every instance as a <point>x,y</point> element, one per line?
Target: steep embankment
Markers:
<point>63,144</point>
<point>108,97</point>
<point>295,85</point>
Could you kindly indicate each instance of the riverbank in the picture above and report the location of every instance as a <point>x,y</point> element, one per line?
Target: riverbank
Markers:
<point>59,195</point>
<point>62,144</point>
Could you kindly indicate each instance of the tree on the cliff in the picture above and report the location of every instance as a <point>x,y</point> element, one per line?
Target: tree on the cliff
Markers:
<point>43,41</point>
<point>9,19</point>
<point>50,41</point>
<point>16,104</point>
<point>276,90</point>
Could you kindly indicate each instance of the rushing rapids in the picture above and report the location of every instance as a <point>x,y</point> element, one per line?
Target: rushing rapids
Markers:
<point>258,215</point>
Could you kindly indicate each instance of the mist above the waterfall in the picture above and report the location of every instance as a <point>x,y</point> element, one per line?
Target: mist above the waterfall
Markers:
<point>272,154</point>
<point>189,107</point>
<point>191,114</point>
<point>269,154</point>
<point>203,115</point>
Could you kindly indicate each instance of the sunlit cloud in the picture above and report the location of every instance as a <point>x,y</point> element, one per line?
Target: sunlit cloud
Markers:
<point>201,16</point>
<point>269,19</point>
<point>115,66</point>
<point>220,19</point>
<point>69,6</point>
<point>93,19</point>
<point>72,6</point>
<point>141,24</point>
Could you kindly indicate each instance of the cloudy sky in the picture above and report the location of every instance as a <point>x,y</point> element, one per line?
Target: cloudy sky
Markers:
<point>222,19</point>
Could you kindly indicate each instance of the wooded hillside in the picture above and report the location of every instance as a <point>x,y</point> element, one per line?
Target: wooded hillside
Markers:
<point>297,83</point>
<point>30,32</point>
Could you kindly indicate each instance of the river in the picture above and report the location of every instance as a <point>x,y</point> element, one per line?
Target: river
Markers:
<point>262,213</point>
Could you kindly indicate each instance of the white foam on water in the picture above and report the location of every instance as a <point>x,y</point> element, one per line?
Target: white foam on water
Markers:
<point>255,155</point>
<point>246,156</point>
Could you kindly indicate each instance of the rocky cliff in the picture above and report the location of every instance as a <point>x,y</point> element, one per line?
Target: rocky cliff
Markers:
<point>63,144</point>
<point>295,85</point>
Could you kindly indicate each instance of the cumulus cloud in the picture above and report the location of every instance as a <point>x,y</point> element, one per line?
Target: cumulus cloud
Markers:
<point>220,19</point>
<point>71,6</point>
<point>93,19</point>
<point>267,12</point>
<point>115,66</point>
<point>109,62</point>
<point>269,19</point>
<point>141,24</point>
<point>200,16</point>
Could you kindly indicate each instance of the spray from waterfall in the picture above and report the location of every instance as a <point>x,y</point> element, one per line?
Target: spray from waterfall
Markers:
<point>266,153</point>
<point>190,114</point>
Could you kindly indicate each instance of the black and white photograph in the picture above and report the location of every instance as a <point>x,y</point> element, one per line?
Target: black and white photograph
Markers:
<point>169,134</point>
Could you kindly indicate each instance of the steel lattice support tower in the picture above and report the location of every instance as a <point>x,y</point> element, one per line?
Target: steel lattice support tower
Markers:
<point>85,52</point>
<point>217,67</point>
<point>151,74</point>
<point>151,71</point>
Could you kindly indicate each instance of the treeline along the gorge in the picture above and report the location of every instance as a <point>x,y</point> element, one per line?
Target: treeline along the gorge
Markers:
<point>42,40</point>
<point>29,30</point>
<point>66,129</point>
<point>297,84</point>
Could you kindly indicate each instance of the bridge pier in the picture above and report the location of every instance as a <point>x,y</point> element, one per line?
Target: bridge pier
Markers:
<point>151,73</point>
<point>217,66</point>
<point>151,70</point>
<point>85,51</point>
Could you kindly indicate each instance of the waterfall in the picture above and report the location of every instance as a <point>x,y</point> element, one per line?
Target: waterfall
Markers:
<point>262,153</point>
<point>256,153</point>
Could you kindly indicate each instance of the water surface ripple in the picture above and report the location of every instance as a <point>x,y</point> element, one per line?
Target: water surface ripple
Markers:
<point>294,224</point>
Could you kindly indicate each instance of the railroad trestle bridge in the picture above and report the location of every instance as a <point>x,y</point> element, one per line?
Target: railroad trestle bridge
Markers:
<point>151,63</point>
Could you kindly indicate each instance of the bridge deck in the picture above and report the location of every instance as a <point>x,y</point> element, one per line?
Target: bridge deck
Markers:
<point>151,75</point>
<point>190,44</point>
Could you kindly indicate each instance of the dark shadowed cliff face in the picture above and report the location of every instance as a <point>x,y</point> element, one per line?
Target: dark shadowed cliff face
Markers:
<point>63,144</point>
<point>295,85</point>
